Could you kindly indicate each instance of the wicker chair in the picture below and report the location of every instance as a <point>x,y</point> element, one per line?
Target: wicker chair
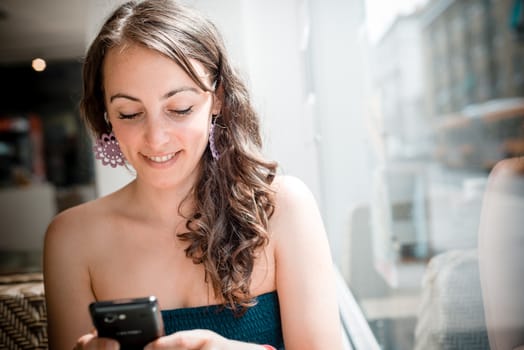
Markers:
<point>23,319</point>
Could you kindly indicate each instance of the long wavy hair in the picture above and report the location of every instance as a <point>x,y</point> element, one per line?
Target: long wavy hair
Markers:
<point>233,200</point>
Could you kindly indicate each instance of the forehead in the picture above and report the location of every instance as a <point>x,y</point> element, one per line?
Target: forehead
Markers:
<point>133,63</point>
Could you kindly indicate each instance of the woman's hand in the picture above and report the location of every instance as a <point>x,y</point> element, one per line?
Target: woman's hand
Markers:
<point>92,342</point>
<point>199,339</point>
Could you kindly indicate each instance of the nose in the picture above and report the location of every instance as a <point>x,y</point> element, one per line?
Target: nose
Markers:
<point>156,133</point>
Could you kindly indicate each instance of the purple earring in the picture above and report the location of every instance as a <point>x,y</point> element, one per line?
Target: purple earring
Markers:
<point>212,145</point>
<point>108,150</point>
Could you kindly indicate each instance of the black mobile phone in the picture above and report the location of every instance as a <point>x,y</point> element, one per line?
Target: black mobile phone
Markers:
<point>132,322</point>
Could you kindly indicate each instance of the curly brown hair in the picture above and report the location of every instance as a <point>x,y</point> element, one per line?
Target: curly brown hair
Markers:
<point>232,197</point>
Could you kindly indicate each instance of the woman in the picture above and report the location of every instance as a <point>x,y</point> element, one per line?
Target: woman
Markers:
<point>206,221</point>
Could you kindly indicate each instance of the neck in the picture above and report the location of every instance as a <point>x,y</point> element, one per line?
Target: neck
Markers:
<point>161,205</point>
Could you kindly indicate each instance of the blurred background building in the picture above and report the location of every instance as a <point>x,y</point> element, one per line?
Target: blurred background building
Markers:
<point>474,56</point>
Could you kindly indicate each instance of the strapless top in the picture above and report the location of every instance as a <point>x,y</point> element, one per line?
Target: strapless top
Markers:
<point>260,324</point>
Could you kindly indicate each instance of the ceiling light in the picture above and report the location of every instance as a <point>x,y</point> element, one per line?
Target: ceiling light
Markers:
<point>38,64</point>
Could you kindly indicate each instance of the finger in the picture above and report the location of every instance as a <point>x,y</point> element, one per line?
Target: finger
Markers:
<point>84,340</point>
<point>195,339</point>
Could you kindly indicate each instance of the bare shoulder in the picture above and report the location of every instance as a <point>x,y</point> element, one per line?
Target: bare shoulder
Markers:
<point>74,219</point>
<point>296,210</point>
<point>70,244</point>
<point>75,226</point>
<point>290,192</point>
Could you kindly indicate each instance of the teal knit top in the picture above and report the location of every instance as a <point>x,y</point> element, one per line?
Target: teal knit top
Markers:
<point>260,324</point>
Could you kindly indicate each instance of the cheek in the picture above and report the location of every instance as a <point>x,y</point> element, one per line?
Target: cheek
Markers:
<point>126,139</point>
<point>123,136</point>
<point>196,135</point>
<point>197,131</point>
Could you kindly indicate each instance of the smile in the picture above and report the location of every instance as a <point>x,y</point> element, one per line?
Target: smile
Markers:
<point>161,159</point>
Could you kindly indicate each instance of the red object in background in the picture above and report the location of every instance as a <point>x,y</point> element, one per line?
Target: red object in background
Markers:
<point>14,124</point>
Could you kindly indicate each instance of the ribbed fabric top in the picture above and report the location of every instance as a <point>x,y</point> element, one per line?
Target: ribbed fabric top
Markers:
<point>260,324</point>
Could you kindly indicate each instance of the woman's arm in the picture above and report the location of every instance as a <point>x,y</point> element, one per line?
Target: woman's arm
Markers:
<point>67,282</point>
<point>305,271</point>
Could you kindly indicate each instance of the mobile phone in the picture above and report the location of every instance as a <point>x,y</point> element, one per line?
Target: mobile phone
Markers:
<point>132,322</point>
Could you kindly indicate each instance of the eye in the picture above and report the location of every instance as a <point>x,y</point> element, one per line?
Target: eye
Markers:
<point>181,112</point>
<point>128,116</point>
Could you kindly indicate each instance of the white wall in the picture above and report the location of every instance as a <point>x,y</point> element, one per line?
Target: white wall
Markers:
<point>273,34</point>
<point>340,85</point>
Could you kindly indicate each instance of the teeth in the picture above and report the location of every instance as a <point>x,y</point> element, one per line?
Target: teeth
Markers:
<point>161,159</point>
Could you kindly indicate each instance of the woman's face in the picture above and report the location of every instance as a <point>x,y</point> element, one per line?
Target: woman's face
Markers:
<point>159,115</point>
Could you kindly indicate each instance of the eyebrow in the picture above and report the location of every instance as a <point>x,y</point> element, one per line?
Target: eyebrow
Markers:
<point>165,96</point>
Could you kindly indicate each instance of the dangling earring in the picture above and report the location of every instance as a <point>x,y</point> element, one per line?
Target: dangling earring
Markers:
<point>108,150</point>
<point>212,145</point>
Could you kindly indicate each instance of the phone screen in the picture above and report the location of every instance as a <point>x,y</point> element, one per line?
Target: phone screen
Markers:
<point>132,322</point>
